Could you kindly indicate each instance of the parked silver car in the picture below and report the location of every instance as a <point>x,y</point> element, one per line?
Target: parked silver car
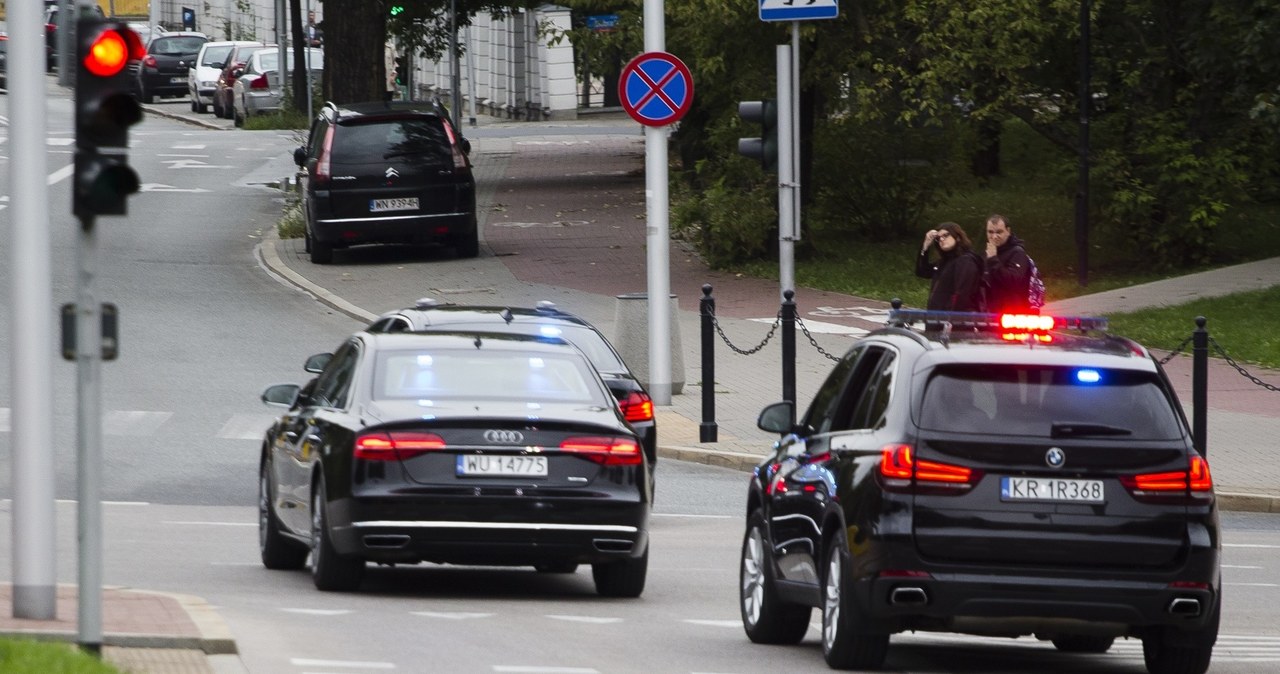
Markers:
<point>202,78</point>
<point>258,90</point>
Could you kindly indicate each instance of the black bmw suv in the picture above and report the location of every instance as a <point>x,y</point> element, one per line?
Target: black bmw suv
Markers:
<point>387,172</point>
<point>998,476</point>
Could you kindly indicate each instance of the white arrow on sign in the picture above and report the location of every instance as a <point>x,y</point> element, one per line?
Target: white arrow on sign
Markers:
<point>157,187</point>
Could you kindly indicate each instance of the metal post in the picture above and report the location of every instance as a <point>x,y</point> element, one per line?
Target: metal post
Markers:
<point>786,175</point>
<point>1200,387</point>
<point>1082,187</point>
<point>708,431</point>
<point>471,77</point>
<point>795,131</point>
<point>455,68</point>
<point>657,237</point>
<point>34,543</point>
<point>89,443</point>
<point>789,350</point>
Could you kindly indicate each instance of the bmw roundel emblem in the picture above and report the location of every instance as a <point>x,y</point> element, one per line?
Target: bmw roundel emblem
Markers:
<point>503,437</point>
<point>1055,457</point>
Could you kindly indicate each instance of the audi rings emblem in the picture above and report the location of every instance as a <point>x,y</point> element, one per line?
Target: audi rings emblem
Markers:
<point>501,437</point>
<point>1055,457</point>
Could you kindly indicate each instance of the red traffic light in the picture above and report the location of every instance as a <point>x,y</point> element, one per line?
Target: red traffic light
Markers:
<point>111,51</point>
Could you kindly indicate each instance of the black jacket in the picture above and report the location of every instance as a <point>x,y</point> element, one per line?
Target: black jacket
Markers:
<point>956,278</point>
<point>1005,277</point>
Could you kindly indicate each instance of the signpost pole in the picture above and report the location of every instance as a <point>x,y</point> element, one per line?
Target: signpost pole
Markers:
<point>656,227</point>
<point>786,179</point>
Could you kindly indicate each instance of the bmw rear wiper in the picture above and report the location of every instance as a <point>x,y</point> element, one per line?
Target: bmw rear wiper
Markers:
<point>1062,429</point>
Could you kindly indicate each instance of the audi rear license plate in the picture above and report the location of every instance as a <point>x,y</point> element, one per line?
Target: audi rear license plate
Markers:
<point>1053,489</point>
<point>482,465</point>
<point>406,204</point>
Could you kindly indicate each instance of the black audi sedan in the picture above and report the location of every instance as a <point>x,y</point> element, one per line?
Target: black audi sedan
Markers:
<point>543,320</point>
<point>991,475</point>
<point>472,448</point>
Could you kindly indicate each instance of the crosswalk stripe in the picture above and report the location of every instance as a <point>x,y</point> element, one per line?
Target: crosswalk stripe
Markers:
<point>135,423</point>
<point>246,426</point>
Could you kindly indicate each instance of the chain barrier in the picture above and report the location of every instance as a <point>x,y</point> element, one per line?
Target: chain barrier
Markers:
<point>814,342</point>
<point>1176,351</point>
<point>1243,372</point>
<point>747,352</point>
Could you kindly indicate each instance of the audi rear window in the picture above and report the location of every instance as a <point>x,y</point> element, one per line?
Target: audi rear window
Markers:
<point>419,138</point>
<point>490,374</point>
<point>1049,402</point>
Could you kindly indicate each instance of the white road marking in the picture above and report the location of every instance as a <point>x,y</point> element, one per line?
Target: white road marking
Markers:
<point>584,619</point>
<point>316,611</point>
<point>691,516</point>
<point>189,146</point>
<point>526,669</point>
<point>158,187</point>
<point>355,664</point>
<point>133,423</point>
<point>192,163</point>
<point>820,327</point>
<point>199,523</point>
<point>451,615</point>
<point>1251,545</point>
<point>246,426</point>
<point>1232,566</point>
<point>715,623</point>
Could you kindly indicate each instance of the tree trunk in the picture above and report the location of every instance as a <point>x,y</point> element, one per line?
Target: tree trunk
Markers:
<point>986,158</point>
<point>360,75</point>
<point>299,75</point>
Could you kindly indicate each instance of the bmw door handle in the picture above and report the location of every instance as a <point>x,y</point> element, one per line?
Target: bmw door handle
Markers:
<point>313,439</point>
<point>291,436</point>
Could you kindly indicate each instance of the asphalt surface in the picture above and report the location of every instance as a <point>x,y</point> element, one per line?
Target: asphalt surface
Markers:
<point>562,211</point>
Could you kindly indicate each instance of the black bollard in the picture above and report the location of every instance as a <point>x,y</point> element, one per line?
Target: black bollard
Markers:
<point>707,431</point>
<point>1200,387</point>
<point>789,350</point>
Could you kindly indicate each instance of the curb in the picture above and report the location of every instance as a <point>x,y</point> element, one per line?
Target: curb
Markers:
<point>158,112</point>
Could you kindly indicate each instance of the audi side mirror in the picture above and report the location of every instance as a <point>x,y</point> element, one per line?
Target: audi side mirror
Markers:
<point>281,395</point>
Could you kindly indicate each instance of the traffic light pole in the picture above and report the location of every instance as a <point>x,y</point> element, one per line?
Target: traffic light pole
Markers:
<point>88,441</point>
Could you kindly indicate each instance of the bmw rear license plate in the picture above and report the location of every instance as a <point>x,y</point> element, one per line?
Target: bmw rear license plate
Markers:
<point>1051,489</point>
<point>406,204</point>
<point>482,465</point>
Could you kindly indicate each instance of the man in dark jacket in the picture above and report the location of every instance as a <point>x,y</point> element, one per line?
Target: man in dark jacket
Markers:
<point>1006,271</point>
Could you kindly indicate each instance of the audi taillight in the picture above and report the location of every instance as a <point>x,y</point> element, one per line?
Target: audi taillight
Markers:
<point>607,451</point>
<point>637,406</point>
<point>1196,481</point>
<point>323,170</point>
<point>393,445</point>
<point>259,82</point>
<point>459,159</point>
<point>901,470</point>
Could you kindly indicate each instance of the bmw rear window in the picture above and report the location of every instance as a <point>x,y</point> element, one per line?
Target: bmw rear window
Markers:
<point>419,138</point>
<point>1048,402</point>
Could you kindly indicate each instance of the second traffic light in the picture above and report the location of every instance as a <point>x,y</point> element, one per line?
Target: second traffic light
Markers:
<point>105,109</point>
<point>402,70</point>
<point>764,148</point>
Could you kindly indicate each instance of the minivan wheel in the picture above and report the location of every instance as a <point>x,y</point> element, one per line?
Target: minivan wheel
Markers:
<point>468,246</point>
<point>1169,650</point>
<point>765,617</point>
<point>847,643</point>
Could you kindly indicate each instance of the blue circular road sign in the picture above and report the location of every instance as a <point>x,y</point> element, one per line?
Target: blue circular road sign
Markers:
<point>656,88</point>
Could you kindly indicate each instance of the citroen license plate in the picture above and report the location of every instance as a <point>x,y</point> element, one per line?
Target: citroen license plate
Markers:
<point>488,465</point>
<point>380,205</point>
<point>177,80</point>
<point>1059,490</point>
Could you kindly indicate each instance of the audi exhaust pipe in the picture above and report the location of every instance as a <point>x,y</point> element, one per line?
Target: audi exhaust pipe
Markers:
<point>1185,607</point>
<point>908,596</point>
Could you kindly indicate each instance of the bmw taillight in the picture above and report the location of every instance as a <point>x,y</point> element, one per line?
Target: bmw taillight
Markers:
<point>323,169</point>
<point>149,61</point>
<point>393,445</point>
<point>607,451</point>
<point>637,406</point>
<point>1195,482</point>
<point>459,159</point>
<point>900,470</point>
<point>259,82</point>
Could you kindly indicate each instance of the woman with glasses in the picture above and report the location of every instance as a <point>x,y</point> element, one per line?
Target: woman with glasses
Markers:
<point>956,275</point>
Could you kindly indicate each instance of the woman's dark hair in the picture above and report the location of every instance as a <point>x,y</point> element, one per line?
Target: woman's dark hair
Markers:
<point>963,244</point>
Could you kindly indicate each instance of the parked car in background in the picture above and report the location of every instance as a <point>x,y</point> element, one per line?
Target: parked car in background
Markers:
<point>465,447</point>
<point>258,90</point>
<point>52,21</point>
<point>202,78</point>
<point>162,73</point>
<point>545,320</point>
<point>387,172</point>
<point>222,88</point>
<point>4,62</point>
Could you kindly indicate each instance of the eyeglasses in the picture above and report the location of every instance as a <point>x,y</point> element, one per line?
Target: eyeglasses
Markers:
<point>944,235</point>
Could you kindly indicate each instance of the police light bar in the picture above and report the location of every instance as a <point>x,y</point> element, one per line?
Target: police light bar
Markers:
<point>1021,323</point>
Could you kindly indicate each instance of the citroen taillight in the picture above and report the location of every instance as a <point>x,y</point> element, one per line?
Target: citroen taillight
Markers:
<point>323,167</point>
<point>459,159</point>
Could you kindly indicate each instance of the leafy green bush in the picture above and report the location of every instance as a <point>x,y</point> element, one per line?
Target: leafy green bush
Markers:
<point>732,218</point>
<point>284,119</point>
<point>49,658</point>
<point>292,223</point>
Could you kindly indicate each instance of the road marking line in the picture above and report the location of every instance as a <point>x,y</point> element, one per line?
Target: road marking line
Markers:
<point>316,611</point>
<point>451,615</point>
<point>209,524</point>
<point>307,662</point>
<point>584,619</point>
<point>246,427</point>
<point>133,422</point>
<point>522,669</point>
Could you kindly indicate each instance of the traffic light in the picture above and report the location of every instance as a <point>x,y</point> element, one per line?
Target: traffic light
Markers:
<point>105,109</point>
<point>764,148</point>
<point>396,10</point>
<point>402,70</point>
